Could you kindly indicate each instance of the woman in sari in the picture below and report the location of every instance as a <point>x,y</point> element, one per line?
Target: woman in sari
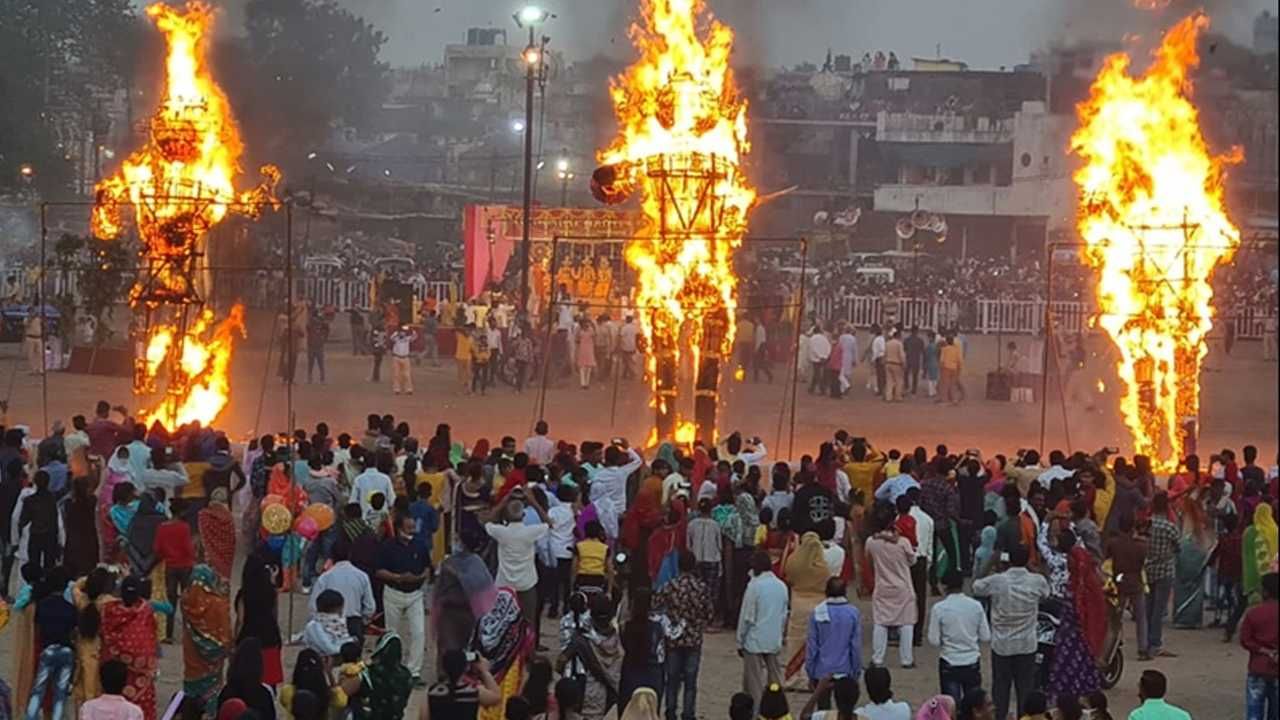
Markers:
<point>89,595</point>
<point>1194,549</point>
<point>124,504</point>
<point>1258,547</point>
<point>503,637</point>
<point>218,533</point>
<point>129,634</point>
<point>807,575</point>
<point>257,616</point>
<point>140,547</point>
<point>463,593</point>
<point>206,615</point>
<point>1073,670</point>
<point>80,555</point>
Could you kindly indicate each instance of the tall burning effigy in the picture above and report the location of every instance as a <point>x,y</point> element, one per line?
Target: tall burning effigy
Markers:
<point>180,184</point>
<point>1152,216</point>
<point>682,135</point>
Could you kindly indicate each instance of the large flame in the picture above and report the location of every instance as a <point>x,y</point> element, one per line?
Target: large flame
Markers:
<point>179,185</point>
<point>682,134</point>
<point>1152,215</point>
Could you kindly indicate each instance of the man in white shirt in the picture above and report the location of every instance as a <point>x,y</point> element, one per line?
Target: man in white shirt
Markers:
<point>376,479</point>
<point>609,485</point>
<point>627,335</point>
<point>957,626</point>
<point>540,448</point>
<point>924,558</point>
<point>401,368</point>
<point>1015,603</point>
<point>891,489</point>
<point>1056,471</point>
<point>353,585</point>
<point>848,355</point>
<point>878,342</point>
<point>819,353</point>
<point>561,539</point>
<point>763,617</point>
<point>517,546</point>
<point>832,553</point>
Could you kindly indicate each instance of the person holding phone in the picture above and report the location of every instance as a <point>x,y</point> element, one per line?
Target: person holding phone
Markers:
<point>465,686</point>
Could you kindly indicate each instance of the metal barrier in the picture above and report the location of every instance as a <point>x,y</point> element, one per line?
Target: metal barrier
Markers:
<point>1009,317</point>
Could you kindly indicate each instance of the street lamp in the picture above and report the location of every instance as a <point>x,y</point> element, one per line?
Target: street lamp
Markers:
<point>562,172</point>
<point>529,17</point>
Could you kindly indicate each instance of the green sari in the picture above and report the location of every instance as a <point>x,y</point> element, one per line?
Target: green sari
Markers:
<point>206,614</point>
<point>386,683</point>
<point>1188,584</point>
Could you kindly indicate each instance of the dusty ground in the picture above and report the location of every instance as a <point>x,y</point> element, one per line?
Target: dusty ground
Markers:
<point>1239,407</point>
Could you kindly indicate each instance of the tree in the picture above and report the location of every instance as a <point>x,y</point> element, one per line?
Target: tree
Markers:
<point>303,68</point>
<point>55,57</point>
<point>99,271</point>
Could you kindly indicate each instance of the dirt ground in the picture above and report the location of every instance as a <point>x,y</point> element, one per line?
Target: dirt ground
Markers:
<point>1239,406</point>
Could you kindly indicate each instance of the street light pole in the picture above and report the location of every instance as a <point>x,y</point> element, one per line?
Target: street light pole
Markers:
<point>526,220</point>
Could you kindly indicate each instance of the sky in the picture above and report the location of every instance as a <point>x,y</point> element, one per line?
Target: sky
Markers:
<point>987,34</point>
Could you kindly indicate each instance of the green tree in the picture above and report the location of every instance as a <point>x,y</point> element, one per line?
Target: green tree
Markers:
<point>303,68</point>
<point>55,57</point>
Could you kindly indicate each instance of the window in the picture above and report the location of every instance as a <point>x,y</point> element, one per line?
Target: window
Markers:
<point>899,83</point>
<point>1025,159</point>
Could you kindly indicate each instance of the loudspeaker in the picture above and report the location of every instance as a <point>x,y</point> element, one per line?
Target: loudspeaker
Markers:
<point>113,361</point>
<point>999,386</point>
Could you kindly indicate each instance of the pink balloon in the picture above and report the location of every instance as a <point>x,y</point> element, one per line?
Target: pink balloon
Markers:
<point>307,528</point>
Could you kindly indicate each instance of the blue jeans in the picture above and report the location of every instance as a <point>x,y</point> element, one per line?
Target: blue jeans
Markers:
<point>958,680</point>
<point>1157,606</point>
<point>316,552</point>
<point>682,667</point>
<point>56,664</point>
<point>1260,698</point>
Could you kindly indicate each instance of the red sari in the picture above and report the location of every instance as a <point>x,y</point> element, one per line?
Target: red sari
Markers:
<point>129,635</point>
<point>1089,598</point>
<point>218,533</point>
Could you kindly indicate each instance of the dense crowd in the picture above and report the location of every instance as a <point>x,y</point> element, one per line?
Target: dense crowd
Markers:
<point>1244,284</point>
<point>631,559</point>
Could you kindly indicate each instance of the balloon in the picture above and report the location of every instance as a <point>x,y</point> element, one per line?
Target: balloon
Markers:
<point>276,519</point>
<point>306,527</point>
<point>322,515</point>
<point>271,500</point>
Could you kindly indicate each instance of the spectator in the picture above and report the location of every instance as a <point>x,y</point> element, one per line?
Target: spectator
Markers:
<point>403,567</point>
<point>957,627</point>
<point>1151,690</point>
<point>834,645</point>
<point>882,706</point>
<point>1015,602</point>
<point>760,623</point>
<point>1260,636</point>
<point>111,704</point>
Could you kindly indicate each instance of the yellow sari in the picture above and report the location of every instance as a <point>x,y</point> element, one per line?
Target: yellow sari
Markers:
<point>807,574</point>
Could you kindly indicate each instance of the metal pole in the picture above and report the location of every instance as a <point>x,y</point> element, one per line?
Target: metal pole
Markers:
<point>44,318</point>
<point>547,334</point>
<point>795,349</point>
<point>266,373</point>
<point>528,178</point>
<point>1048,341</point>
<point>290,341</point>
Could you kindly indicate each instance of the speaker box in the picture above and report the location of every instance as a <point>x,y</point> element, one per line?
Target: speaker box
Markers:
<point>112,361</point>
<point>999,386</point>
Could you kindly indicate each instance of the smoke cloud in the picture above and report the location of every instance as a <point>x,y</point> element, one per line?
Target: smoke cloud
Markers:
<point>983,33</point>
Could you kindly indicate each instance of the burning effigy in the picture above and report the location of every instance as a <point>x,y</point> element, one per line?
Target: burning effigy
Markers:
<point>681,140</point>
<point>180,185</point>
<point>1153,217</point>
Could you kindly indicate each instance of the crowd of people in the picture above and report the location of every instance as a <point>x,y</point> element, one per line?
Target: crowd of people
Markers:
<point>126,538</point>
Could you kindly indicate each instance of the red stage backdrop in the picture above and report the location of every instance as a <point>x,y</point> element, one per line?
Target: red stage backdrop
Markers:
<point>491,234</point>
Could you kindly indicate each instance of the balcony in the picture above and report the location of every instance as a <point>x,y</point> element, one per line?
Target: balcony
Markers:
<point>942,128</point>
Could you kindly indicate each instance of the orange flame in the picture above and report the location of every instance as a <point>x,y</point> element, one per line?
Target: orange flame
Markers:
<point>1152,215</point>
<point>181,184</point>
<point>682,134</point>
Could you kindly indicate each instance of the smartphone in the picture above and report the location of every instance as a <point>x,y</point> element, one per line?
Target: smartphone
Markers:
<point>471,656</point>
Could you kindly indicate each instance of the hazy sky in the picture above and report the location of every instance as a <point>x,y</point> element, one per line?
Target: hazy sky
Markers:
<point>984,33</point>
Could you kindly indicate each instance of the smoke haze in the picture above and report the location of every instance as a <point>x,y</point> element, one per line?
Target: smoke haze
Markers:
<point>983,33</point>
